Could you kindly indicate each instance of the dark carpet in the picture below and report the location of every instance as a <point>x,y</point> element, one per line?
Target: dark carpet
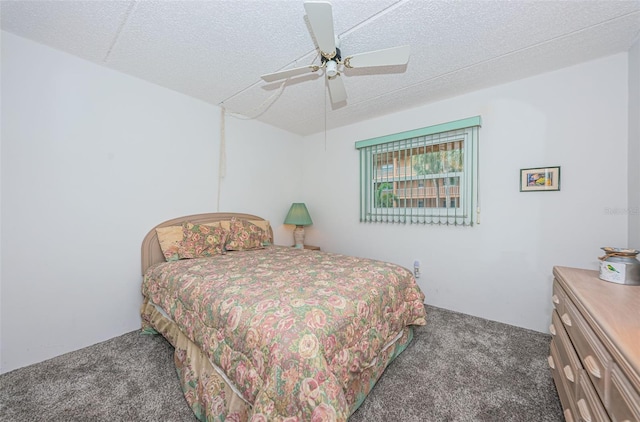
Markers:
<point>458,368</point>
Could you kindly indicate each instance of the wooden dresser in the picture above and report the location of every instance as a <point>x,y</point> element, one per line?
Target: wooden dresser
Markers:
<point>595,347</point>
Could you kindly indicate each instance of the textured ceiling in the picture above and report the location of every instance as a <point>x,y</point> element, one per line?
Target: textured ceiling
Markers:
<point>216,50</point>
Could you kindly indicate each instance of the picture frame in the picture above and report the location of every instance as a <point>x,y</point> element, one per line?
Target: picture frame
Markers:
<point>538,179</point>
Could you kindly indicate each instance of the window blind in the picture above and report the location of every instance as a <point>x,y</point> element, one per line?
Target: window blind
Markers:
<point>424,176</point>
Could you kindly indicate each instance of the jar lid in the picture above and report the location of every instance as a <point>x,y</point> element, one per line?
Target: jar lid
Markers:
<point>620,251</point>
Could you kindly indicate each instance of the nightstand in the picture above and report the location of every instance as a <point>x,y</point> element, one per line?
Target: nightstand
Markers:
<point>310,247</point>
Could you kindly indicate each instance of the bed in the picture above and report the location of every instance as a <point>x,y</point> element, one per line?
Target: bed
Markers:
<point>264,332</point>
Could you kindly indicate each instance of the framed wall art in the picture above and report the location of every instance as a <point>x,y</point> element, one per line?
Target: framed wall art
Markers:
<point>540,179</point>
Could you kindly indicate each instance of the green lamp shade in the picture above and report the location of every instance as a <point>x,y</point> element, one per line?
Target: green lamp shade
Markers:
<point>298,215</point>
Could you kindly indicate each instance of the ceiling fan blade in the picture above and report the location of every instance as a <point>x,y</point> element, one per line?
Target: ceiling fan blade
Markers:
<point>321,20</point>
<point>284,74</point>
<point>336,89</point>
<point>387,57</point>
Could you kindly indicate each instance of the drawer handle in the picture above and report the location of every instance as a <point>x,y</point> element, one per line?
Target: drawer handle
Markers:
<point>568,373</point>
<point>584,410</point>
<point>565,318</point>
<point>552,329</point>
<point>555,299</point>
<point>592,366</point>
<point>568,417</point>
<point>551,364</point>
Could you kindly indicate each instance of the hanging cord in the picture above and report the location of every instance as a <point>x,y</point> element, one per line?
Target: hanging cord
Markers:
<point>222,165</point>
<point>324,94</point>
<point>267,103</point>
<point>253,114</point>
<point>262,107</point>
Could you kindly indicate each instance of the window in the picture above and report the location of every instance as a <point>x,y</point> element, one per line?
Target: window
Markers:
<point>426,175</point>
<point>387,169</point>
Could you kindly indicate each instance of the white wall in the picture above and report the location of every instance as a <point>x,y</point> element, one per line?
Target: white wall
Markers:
<point>91,160</point>
<point>634,146</point>
<point>501,269</point>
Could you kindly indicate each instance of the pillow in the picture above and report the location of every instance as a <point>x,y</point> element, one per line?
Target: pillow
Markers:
<point>200,240</point>
<point>170,238</point>
<point>244,236</point>
<point>263,224</point>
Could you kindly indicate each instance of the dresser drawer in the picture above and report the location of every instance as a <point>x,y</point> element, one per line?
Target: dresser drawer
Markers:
<point>566,396</point>
<point>594,356</point>
<point>568,361</point>
<point>623,400</point>
<point>558,298</point>
<point>589,406</point>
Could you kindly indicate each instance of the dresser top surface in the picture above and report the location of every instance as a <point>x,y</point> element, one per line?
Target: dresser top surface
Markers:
<point>612,310</point>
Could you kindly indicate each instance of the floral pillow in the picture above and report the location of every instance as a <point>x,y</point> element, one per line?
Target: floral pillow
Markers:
<point>244,236</point>
<point>170,239</point>
<point>263,224</point>
<point>200,240</point>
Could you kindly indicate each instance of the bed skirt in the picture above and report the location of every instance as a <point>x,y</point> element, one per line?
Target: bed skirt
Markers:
<point>213,398</point>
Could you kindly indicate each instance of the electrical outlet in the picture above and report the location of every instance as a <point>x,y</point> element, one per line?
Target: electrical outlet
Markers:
<point>416,269</point>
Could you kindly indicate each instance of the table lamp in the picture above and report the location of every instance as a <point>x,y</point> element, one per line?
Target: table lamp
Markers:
<point>299,216</point>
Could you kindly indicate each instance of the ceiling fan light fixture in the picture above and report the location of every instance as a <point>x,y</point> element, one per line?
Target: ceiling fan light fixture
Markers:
<point>332,68</point>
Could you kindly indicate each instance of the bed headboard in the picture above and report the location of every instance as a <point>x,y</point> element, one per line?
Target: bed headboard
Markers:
<point>151,252</point>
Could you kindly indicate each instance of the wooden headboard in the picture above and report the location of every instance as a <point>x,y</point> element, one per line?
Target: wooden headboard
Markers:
<point>151,252</point>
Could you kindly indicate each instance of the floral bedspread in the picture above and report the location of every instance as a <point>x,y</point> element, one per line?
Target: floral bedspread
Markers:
<point>290,328</point>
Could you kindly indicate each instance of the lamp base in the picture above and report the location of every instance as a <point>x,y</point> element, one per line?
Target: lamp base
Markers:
<point>298,237</point>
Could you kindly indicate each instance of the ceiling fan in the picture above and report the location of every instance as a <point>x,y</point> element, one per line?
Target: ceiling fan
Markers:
<point>321,21</point>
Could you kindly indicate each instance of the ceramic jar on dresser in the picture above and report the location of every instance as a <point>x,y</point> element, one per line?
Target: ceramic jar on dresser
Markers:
<point>595,347</point>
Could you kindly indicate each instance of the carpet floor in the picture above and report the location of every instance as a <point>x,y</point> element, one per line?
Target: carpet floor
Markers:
<point>458,368</point>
